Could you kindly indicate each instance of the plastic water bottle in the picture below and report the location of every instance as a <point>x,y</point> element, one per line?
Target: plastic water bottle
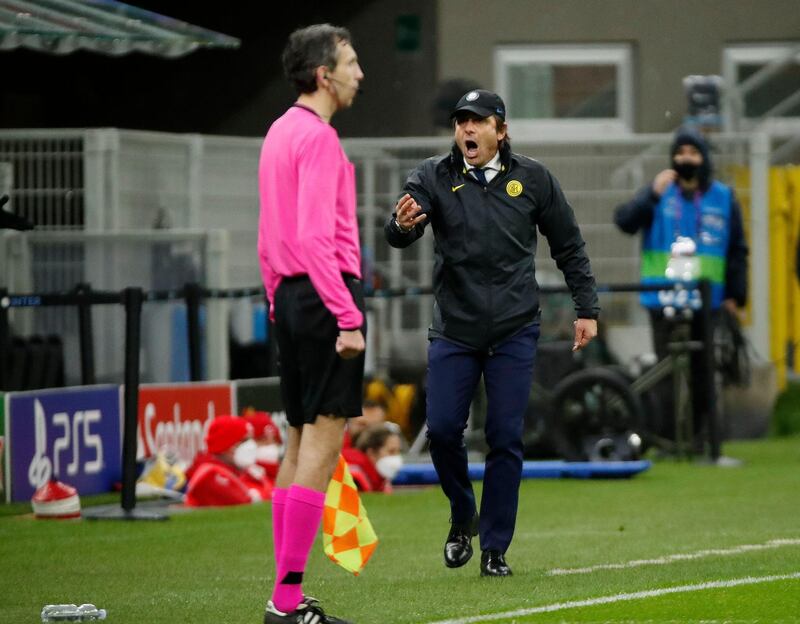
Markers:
<point>72,613</point>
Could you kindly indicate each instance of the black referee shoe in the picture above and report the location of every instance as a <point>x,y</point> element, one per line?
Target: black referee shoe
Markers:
<point>307,612</point>
<point>329,619</point>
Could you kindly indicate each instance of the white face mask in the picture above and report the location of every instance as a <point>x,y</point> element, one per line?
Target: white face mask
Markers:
<point>245,454</point>
<point>268,453</point>
<point>389,465</point>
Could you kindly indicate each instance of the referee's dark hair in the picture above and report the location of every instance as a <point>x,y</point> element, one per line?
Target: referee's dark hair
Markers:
<point>307,49</point>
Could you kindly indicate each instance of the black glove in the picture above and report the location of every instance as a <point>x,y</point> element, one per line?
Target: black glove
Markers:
<point>10,221</point>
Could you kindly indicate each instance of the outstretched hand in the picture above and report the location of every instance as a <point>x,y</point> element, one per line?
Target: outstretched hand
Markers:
<point>408,213</point>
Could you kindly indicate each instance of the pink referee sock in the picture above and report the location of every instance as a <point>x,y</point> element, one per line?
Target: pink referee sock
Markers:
<point>302,514</point>
<point>278,507</point>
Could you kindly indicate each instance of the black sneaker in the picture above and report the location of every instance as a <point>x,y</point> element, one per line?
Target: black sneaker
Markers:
<point>329,619</point>
<point>307,612</point>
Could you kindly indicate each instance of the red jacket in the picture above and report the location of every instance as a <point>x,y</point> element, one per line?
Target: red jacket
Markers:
<point>364,473</point>
<point>212,482</point>
<point>347,441</point>
<point>271,470</point>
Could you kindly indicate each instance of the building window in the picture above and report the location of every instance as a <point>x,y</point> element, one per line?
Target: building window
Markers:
<point>762,84</point>
<point>575,90</point>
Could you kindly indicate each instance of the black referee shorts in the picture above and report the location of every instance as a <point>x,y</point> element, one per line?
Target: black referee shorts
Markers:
<point>314,378</point>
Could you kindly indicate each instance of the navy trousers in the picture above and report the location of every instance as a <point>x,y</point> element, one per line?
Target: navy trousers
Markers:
<point>453,375</point>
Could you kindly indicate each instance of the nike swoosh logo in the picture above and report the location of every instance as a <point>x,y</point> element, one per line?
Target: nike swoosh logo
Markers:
<point>455,188</point>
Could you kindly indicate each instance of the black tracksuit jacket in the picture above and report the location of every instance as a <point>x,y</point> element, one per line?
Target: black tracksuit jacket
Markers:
<point>485,240</point>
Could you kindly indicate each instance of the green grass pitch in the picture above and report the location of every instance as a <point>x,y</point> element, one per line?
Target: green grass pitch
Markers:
<point>215,566</point>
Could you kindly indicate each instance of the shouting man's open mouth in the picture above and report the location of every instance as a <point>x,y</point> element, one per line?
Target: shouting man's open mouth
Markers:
<point>471,150</point>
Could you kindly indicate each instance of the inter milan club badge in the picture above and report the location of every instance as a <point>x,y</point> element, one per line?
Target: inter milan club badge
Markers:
<point>514,188</point>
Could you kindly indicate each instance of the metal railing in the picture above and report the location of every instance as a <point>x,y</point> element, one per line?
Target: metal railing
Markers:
<point>159,260</point>
<point>132,180</point>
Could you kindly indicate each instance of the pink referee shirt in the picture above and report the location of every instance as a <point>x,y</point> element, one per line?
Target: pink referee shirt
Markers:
<point>308,211</point>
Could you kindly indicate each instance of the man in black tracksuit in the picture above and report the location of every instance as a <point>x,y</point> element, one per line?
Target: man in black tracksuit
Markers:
<point>484,204</point>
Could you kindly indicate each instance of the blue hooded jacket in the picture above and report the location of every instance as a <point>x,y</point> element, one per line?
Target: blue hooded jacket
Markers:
<point>640,214</point>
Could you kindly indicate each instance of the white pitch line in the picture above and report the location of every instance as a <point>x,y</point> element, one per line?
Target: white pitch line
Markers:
<point>650,593</point>
<point>711,552</point>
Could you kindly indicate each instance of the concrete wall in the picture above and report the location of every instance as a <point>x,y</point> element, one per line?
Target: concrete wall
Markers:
<point>670,39</point>
<point>239,92</point>
<point>398,86</point>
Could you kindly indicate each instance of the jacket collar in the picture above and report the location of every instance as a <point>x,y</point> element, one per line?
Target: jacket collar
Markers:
<point>458,168</point>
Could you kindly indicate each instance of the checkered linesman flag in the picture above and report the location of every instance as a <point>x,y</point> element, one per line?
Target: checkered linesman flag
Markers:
<point>347,535</point>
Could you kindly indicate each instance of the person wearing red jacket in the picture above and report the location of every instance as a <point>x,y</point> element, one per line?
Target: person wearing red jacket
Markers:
<point>269,441</point>
<point>376,459</point>
<point>227,474</point>
<point>372,413</point>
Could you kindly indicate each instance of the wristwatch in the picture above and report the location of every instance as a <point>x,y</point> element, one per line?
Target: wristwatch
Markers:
<point>400,227</point>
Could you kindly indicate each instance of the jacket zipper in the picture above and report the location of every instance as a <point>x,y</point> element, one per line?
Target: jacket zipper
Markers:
<point>488,247</point>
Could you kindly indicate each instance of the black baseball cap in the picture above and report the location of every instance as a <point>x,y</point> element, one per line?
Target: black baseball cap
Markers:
<point>481,102</point>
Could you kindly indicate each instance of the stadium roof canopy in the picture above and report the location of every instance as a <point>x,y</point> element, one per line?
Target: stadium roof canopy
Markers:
<point>102,26</point>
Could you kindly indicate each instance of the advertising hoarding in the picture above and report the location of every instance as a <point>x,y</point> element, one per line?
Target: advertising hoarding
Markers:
<point>70,434</point>
<point>174,418</point>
